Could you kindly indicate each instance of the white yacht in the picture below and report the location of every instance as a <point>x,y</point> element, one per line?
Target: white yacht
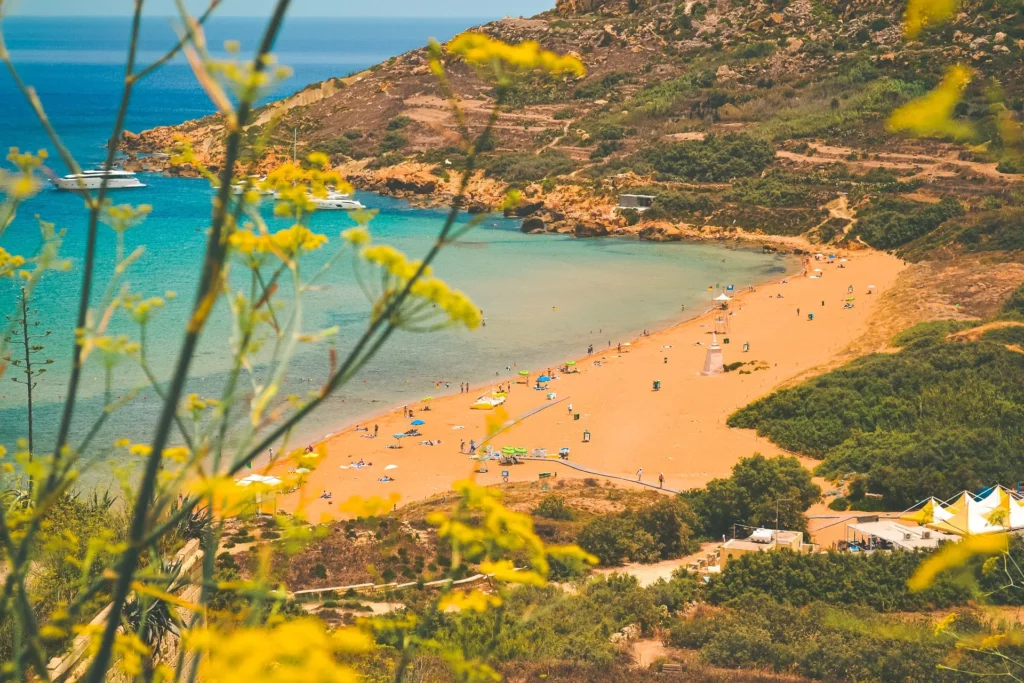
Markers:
<point>91,180</point>
<point>336,201</point>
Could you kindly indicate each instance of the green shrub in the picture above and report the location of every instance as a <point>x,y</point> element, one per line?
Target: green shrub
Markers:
<point>554,507</point>
<point>713,159</point>
<point>605,148</point>
<point>890,222</point>
<point>760,492</point>
<point>615,538</point>
<point>526,167</point>
<point>399,122</point>
<point>393,142</point>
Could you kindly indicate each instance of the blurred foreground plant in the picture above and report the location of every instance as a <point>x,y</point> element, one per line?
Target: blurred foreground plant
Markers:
<point>183,488</point>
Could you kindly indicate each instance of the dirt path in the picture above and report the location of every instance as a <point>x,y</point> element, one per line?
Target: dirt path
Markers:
<point>976,333</point>
<point>648,574</point>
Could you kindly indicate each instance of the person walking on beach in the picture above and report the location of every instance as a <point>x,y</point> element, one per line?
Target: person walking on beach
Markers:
<point>462,446</point>
<point>661,480</point>
<point>798,311</point>
<point>639,474</point>
<point>570,409</point>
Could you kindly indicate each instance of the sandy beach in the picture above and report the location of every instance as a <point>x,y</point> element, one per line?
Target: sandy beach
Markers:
<point>679,431</point>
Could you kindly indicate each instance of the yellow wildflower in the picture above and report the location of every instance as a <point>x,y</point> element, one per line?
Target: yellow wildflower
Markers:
<point>932,114</point>
<point>923,14</point>
<point>474,600</point>
<point>10,263</point>
<point>954,555</point>
<point>482,50</point>
<point>357,237</point>
<point>297,650</point>
<point>124,216</point>
<point>945,623</point>
<point>285,242</point>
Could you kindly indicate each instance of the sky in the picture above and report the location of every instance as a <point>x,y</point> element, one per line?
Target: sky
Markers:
<point>299,8</point>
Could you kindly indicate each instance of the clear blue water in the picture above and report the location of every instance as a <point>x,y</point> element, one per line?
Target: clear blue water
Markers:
<point>545,298</point>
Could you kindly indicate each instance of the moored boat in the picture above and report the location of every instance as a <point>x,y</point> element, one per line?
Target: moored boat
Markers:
<point>116,179</point>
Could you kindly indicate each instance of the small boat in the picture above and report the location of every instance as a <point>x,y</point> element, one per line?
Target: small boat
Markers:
<point>336,202</point>
<point>116,179</point>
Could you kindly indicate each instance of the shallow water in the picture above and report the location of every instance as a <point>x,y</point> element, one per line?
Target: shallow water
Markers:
<point>545,298</point>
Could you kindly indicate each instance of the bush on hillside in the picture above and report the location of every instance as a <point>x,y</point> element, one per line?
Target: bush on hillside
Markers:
<point>554,507</point>
<point>891,222</point>
<point>716,158</point>
<point>527,167</point>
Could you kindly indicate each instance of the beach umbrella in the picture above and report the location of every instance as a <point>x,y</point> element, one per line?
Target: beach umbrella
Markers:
<point>723,297</point>
<point>302,470</point>
<point>524,373</point>
<point>570,362</point>
<point>428,399</point>
<point>417,423</point>
<point>543,378</point>
<point>871,286</point>
<point>850,298</point>
<point>508,450</point>
<point>391,467</point>
<point>519,451</point>
<point>398,436</point>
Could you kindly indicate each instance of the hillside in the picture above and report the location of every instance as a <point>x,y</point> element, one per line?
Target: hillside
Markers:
<point>739,116</point>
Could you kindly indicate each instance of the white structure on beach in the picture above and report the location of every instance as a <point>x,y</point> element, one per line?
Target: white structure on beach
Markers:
<point>713,363</point>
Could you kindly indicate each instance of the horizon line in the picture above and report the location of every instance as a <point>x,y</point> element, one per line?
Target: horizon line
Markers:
<point>251,16</point>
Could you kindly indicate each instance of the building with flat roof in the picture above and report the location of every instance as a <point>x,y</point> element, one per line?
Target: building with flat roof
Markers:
<point>762,541</point>
<point>885,534</point>
<point>637,202</point>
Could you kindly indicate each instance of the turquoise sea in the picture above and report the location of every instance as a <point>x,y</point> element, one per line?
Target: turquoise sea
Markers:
<point>545,298</point>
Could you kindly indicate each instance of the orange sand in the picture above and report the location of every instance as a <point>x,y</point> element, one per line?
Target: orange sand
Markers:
<point>679,430</point>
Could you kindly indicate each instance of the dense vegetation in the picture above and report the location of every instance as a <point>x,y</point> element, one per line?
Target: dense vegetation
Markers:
<point>716,158</point>
<point>768,492</point>
<point>889,222</point>
<point>878,581</point>
<point>935,418</point>
<point>516,167</point>
<point>830,642</point>
<point>658,532</point>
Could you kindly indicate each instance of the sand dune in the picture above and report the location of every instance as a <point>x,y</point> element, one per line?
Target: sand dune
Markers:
<point>679,430</point>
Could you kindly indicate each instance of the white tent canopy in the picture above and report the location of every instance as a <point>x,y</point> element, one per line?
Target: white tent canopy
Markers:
<point>723,297</point>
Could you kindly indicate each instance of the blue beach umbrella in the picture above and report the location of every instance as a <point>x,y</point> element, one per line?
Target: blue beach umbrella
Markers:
<point>417,423</point>
<point>543,378</point>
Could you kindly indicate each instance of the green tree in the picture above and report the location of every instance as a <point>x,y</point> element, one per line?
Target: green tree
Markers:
<point>762,491</point>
